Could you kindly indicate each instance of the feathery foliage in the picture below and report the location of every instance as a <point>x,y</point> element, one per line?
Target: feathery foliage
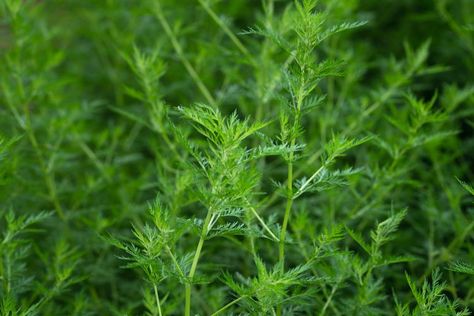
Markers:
<point>303,157</point>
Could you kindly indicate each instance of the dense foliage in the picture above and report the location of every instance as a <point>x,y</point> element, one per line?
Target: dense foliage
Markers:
<point>244,157</point>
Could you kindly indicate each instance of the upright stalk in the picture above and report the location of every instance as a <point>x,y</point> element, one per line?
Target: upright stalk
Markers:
<point>286,218</point>
<point>290,196</point>
<point>289,205</point>
<point>157,298</point>
<point>289,201</point>
<point>197,254</point>
<point>48,178</point>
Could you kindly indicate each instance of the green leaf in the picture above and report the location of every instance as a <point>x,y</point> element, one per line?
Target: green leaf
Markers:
<point>461,267</point>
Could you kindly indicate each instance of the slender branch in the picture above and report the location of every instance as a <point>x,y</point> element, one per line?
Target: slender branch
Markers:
<point>226,30</point>
<point>307,182</point>
<point>228,305</point>
<point>328,301</point>
<point>179,51</point>
<point>49,180</point>
<point>263,223</point>
<point>173,258</point>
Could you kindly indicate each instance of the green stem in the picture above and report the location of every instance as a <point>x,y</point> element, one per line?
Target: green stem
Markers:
<point>226,30</point>
<point>157,297</point>
<point>328,301</point>
<point>192,272</point>
<point>263,223</point>
<point>8,273</point>
<point>289,204</point>
<point>289,180</point>
<point>179,51</point>
<point>286,218</point>
<point>181,273</point>
<point>228,305</point>
<point>308,182</point>
<point>48,178</point>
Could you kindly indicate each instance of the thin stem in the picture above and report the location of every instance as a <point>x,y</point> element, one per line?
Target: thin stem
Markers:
<point>356,211</point>
<point>179,51</point>
<point>157,298</point>
<point>49,180</point>
<point>8,273</point>
<point>93,157</point>
<point>289,204</point>
<point>196,257</point>
<point>448,251</point>
<point>307,182</point>
<point>173,258</point>
<point>313,270</point>
<point>197,254</point>
<point>171,145</point>
<point>263,223</point>
<point>289,180</point>
<point>228,305</point>
<point>286,218</point>
<point>226,30</point>
<point>328,301</point>
<point>27,126</point>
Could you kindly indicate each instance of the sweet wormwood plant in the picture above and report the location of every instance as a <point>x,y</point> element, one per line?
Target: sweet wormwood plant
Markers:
<point>199,158</point>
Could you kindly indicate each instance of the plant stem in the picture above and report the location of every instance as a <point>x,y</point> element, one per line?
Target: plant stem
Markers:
<point>228,305</point>
<point>328,301</point>
<point>157,297</point>
<point>263,223</point>
<point>181,273</point>
<point>286,218</point>
<point>179,51</point>
<point>197,254</point>
<point>289,180</point>
<point>49,180</point>
<point>307,182</point>
<point>289,204</point>
<point>226,30</point>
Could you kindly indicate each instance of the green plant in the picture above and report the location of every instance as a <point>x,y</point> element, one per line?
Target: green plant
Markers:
<point>298,158</point>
